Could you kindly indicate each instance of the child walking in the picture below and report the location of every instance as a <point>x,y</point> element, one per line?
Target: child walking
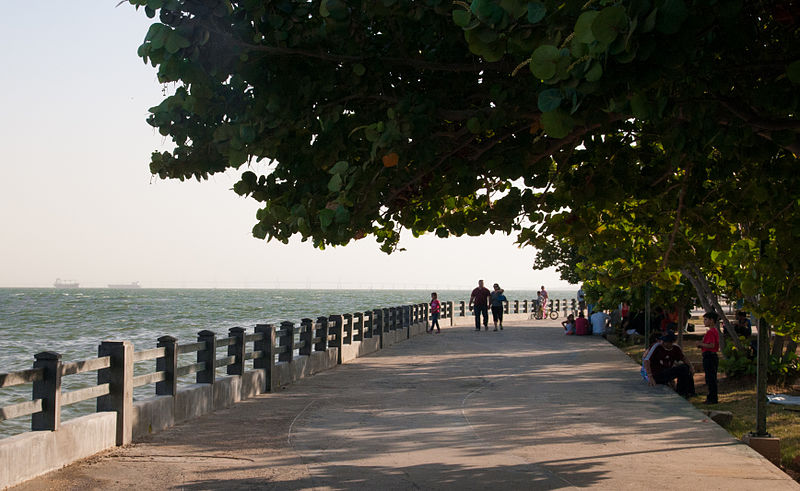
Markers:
<point>435,309</point>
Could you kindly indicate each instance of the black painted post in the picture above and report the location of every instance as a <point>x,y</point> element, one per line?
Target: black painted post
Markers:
<point>347,324</point>
<point>266,345</point>
<point>377,323</point>
<point>367,329</point>
<point>358,326</point>
<point>505,307</point>
<point>322,334</point>
<point>516,306</point>
<point>286,339</point>
<point>169,365</point>
<point>426,315</point>
<point>449,306</point>
<point>207,355</point>
<point>336,324</point>
<point>49,391</point>
<point>119,377</point>
<point>237,349</point>
<point>306,336</point>
<point>387,319</point>
<point>462,309</point>
<point>524,306</point>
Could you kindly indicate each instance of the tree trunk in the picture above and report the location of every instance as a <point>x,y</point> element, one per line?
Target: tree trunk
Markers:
<point>777,346</point>
<point>791,348</point>
<point>710,302</point>
<point>681,306</point>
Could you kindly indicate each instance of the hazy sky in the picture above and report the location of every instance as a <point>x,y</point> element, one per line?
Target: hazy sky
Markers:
<point>77,200</point>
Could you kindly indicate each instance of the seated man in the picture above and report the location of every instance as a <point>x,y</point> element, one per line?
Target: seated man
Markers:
<point>659,366</point>
<point>743,326</point>
<point>582,326</point>
<point>600,323</point>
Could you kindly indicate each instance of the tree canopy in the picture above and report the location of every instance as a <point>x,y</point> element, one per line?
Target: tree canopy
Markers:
<point>650,136</point>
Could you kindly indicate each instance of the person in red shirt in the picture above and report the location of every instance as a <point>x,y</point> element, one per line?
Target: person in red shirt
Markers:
<point>436,308</point>
<point>710,347</point>
<point>582,326</point>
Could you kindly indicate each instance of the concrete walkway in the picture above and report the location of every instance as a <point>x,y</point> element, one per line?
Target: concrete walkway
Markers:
<point>524,408</point>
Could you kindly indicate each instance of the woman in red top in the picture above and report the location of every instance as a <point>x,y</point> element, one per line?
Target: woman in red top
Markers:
<point>710,347</point>
<point>435,309</point>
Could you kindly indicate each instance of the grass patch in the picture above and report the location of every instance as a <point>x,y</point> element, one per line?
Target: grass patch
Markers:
<point>739,397</point>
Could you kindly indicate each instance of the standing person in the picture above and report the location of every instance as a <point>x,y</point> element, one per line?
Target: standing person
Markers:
<point>496,298</point>
<point>479,300</point>
<point>581,299</point>
<point>710,347</point>
<point>543,294</point>
<point>435,309</point>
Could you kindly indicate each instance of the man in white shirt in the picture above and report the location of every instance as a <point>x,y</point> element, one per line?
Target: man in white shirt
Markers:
<point>600,323</point>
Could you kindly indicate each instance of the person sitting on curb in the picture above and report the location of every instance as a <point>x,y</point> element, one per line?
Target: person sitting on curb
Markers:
<point>659,366</point>
<point>569,325</point>
<point>600,323</point>
<point>582,326</point>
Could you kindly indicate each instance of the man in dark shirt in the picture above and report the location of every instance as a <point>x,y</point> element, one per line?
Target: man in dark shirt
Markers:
<point>480,303</point>
<point>659,366</point>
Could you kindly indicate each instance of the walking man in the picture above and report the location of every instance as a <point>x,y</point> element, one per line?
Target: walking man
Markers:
<point>479,300</point>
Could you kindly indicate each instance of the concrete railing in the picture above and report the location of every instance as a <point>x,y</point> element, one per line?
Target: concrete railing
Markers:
<point>276,356</point>
<point>522,309</point>
<point>280,355</point>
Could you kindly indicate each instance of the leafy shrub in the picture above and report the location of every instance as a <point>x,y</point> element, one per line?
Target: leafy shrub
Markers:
<point>780,369</point>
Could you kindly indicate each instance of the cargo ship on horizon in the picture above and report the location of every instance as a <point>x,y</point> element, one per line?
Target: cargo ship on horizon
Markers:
<point>65,284</point>
<point>134,284</point>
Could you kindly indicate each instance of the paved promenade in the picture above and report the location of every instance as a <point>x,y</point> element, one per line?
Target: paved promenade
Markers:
<point>524,408</point>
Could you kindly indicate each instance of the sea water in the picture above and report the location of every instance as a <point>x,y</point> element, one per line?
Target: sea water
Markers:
<point>72,322</point>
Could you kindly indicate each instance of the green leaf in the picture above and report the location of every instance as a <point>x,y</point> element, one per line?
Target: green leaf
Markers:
<point>339,167</point>
<point>543,61</point>
<point>335,184</point>
<point>359,69</point>
<point>793,72</point>
<point>610,22</point>
<point>474,125</point>
<point>594,73</point>
<point>175,42</point>
<point>640,106</point>
<point>650,21</point>
<point>549,100</point>
<point>462,18</point>
<point>557,124</point>
<point>325,218</point>
<point>583,27</point>
<point>671,16</point>
<point>342,215</point>
<point>536,12</point>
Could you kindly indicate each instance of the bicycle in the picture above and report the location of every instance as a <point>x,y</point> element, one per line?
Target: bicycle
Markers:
<point>538,314</point>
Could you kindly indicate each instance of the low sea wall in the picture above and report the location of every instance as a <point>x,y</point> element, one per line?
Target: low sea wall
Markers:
<point>254,363</point>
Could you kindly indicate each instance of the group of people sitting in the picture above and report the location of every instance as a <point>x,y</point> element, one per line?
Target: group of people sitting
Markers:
<point>598,323</point>
<point>664,362</point>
